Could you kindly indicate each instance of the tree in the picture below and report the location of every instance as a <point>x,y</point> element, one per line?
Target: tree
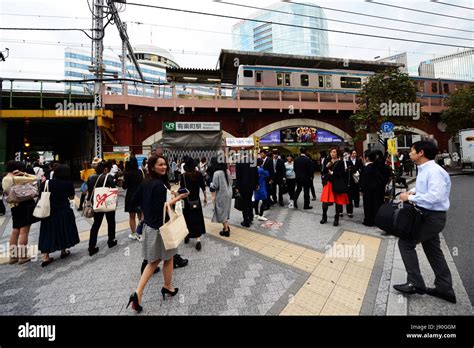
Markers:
<point>460,112</point>
<point>389,87</point>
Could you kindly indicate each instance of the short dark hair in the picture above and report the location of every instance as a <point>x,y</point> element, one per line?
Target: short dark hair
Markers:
<point>371,156</point>
<point>429,148</point>
<point>62,172</point>
<point>303,150</point>
<point>259,162</point>
<point>15,165</point>
<point>132,164</point>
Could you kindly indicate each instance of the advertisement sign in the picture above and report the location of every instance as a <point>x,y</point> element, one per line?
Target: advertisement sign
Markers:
<point>392,146</point>
<point>117,156</point>
<point>239,142</point>
<point>300,136</point>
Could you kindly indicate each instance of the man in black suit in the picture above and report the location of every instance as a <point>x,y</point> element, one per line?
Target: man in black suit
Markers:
<point>277,176</point>
<point>267,165</point>
<point>303,171</point>
<point>246,181</point>
<point>355,167</point>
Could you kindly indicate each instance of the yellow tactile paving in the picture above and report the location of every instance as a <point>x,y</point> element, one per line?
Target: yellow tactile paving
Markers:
<point>326,273</point>
<point>310,301</point>
<point>348,298</point>
<point>294,309</point>
<point>334,263</point>
<point>320,286</point>
<point>336,308</point>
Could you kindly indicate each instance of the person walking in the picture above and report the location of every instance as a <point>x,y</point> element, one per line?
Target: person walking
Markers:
<point>22,213</point>
<point>58,231</point>
<point>303,170</point>
<point>268,166</point>
<point>431,196</point>
<point>311,181</point>
<point>290,179</point>
<point>85,173</point>
<point>370,180</point>
<point>193,181</point>
<point>97,180</point>
<point>334,186</point>
<point>260,193</point>
<point>152,195</point>
<point>277,176</point>
<point>246,181</point>
<point>132,179</point>
<point>222,197</point>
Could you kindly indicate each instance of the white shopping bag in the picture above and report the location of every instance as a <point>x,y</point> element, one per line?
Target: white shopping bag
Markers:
<point>43,207</point>
<point>105,198</point>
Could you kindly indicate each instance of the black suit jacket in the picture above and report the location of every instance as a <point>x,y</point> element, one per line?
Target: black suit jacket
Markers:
<point>246,177</point>
<point>303,169</point>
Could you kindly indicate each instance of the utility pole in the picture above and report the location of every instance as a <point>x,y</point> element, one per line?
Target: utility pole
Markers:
<point>98,48</point>
<point>124,59</point>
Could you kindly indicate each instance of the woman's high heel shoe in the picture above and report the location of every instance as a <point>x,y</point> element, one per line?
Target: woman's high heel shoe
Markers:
<point>134,301</point>
<point>165,291</point>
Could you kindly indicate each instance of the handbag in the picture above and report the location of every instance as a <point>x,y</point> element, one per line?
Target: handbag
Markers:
<point>175,230</point>
<point>105,197</point>
<point>21,192</point>
<point>402,220</point>
<point>43,207</point>
<point>192,204</point>
<point>356,177</point>
<point>238,204</point>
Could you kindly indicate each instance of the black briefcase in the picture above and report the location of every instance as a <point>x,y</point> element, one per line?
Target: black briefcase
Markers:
<point>401,220</point>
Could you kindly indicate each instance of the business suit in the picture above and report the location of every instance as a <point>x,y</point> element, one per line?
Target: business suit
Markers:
<point>268,166</point>
<point>354,188</point>
<point>246,181</point>
<point>370,179</point>
<point>303,172</point>
<point>278,176</point>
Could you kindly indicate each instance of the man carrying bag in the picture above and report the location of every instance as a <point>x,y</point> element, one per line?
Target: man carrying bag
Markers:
<point>431,196</point>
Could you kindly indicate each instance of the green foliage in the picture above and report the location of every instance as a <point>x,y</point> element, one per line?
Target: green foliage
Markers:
<point>460,112</point>
<point>389,85</point>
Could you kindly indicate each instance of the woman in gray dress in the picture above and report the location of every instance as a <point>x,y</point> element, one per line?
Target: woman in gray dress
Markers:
<point>222,197</point>
<point>151,196</point>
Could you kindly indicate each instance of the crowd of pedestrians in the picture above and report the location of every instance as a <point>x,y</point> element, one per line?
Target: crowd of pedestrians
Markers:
<point>345,177</point>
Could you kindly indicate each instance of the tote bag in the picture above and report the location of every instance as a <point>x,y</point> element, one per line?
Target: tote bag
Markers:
<point>105,198</point>
<point>175,230</point>
<point>43,207</point>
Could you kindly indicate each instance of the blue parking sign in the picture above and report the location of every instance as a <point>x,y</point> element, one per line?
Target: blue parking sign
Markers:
<point>386,127</point>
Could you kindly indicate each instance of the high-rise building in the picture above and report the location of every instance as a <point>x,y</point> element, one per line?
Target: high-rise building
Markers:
<point>153,62</point>
<point>255,36</point>
<point>456,66</point>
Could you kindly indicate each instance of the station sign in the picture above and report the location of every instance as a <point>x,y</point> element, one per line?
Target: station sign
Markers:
<point>191,126</point>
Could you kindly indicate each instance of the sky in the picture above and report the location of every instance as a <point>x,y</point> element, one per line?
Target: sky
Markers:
<point>196,40</point>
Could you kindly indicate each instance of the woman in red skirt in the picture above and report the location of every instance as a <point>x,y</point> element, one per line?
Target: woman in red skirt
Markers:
<point>334,174</point>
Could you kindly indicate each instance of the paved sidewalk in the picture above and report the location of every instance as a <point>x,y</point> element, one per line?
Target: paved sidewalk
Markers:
<point>288,265</point>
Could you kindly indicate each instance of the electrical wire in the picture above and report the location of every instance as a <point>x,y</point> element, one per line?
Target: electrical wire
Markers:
<point>339,21</point>
<point>445,3</point>
<point>51,29</point>
<point>294,25</point>
<point>416,10</point>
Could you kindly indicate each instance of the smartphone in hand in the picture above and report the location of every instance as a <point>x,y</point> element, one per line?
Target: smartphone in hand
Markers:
<point>183,190</point>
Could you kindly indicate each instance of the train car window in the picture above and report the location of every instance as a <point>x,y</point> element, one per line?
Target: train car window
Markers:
<point>279,79</point>
<point>304,80</point>
<point>287,80</point>
<point>321,81</point>
<point>248,73</point>
<point>350,82</point>
<point>421,87</point>
<point>259,76</point>
<point>434,88</point>
<point>328,81</point>
<point>446,88</point>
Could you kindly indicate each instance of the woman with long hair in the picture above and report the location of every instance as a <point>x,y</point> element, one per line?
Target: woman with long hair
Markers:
<point>334,171</point>
<point>193,181</point>
<point>151,196</point>
<point>131,181</point>
<point>222,197</point>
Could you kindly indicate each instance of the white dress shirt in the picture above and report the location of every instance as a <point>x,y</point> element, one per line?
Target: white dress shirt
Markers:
<point>433,186</point>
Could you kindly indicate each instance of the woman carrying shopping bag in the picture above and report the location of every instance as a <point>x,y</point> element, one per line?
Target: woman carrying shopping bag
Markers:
<point>151,196</point>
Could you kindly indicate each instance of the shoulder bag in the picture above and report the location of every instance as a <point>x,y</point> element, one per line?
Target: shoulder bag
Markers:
<point>105,198</point>
<point>21,192</point>
<point>175,230</point>
<point>43,207</point>
<point>192,204</point>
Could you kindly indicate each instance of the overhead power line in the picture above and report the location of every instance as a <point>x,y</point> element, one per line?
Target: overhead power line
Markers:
<point>51,29</point>
<point>445,3</point>
<point>293,25</point>
<point>416,10</point>
<point>339,21</point>
<point>379,17</point>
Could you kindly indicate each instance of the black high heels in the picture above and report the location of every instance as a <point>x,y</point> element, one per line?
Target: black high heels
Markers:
<point>134,301</point>
<point>165,291</point>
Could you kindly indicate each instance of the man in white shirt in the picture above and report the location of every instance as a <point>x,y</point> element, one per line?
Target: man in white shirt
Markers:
<point>431,196</point>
